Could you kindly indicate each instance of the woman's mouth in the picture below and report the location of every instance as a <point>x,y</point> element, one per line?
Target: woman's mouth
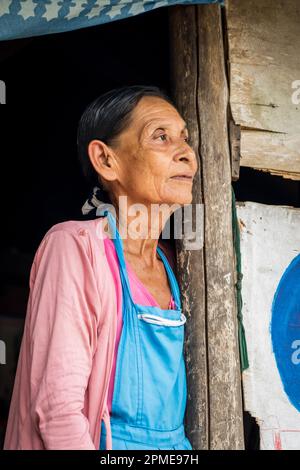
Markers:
<point>185,178</point>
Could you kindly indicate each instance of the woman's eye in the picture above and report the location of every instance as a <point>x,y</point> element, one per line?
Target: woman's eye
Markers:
<point>163,137</point>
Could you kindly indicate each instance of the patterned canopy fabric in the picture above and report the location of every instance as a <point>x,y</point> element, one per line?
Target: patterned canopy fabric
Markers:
<point>26,18</point>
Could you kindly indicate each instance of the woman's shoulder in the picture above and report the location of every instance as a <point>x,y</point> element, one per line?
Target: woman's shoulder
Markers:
<point>77,227</point>
<point>72,236</point>
<point>74,245</point>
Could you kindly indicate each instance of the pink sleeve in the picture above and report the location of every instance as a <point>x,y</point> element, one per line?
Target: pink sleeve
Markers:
<point>62,320</point>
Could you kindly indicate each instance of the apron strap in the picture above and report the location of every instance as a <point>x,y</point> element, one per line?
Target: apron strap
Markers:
<point>119,247</point>
<point>120,252</point>
<point>172,278</point>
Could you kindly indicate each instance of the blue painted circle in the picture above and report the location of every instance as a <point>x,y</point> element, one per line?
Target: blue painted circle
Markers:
<point>285,331</point>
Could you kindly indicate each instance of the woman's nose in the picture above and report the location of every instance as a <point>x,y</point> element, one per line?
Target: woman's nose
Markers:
<point>186,153</point>
<point>185,156</point>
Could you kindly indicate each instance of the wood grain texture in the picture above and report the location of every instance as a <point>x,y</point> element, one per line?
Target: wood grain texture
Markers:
<point>225,399</point>
<point>207,276</point>
<point>276,153</point>
<point>264,45</point>
<point>261,97</point>
<point>184,75</point>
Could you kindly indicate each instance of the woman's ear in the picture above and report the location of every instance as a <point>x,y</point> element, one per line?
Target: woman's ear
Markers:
<point>101,159</point>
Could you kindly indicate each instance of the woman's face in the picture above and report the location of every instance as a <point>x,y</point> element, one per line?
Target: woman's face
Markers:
<point>152,153</point>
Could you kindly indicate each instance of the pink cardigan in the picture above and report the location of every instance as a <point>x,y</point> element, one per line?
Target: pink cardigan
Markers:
<point>69,334</point>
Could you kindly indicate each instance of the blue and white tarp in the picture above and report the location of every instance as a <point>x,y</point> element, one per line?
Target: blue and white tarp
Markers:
<point>26,18</point>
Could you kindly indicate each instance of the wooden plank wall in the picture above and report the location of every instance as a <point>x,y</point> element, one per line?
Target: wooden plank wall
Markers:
<point>207,276</point>
<point>264,65</point>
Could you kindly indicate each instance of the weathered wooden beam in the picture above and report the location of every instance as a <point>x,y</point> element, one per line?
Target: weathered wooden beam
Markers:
<point>225,398</point>
<point>184,75</point>
<point>277,153</point>
<point>264,64</point>
<point>207,276</point>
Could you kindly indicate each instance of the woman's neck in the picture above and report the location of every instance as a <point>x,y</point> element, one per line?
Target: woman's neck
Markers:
<point>140,232</point>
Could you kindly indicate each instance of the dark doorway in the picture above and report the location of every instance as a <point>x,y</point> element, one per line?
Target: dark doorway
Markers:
<point>49,81</point>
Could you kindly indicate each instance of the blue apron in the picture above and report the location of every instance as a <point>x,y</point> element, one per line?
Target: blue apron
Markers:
<point>149,396</point>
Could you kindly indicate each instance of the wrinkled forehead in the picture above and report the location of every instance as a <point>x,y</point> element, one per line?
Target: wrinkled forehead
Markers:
<point>156,112</point>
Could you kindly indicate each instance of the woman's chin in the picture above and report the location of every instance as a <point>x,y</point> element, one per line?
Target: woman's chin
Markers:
<point>180,200</point>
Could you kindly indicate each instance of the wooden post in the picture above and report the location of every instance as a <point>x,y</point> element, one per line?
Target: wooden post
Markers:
<point>184,76</point>
<point>214,418</point>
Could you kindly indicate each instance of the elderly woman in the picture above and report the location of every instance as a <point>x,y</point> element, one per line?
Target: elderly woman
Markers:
<point>101,364</point>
